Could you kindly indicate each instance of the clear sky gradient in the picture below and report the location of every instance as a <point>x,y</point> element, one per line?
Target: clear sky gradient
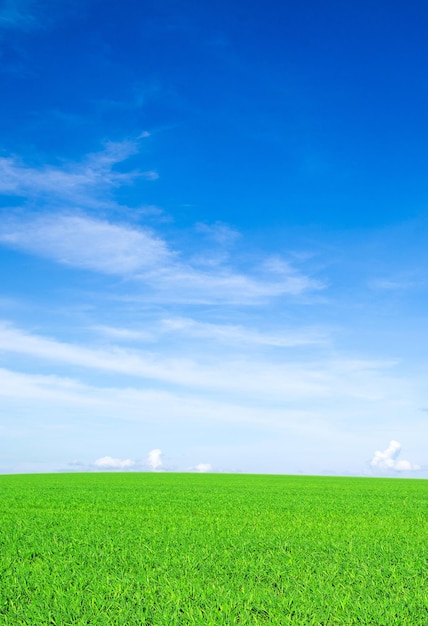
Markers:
<point>213,236</point>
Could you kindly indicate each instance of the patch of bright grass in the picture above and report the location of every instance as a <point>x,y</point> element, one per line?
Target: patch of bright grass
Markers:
<point>183,549</point>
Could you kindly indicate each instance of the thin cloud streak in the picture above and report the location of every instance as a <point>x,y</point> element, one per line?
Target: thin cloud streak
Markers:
<point>223,334</point>
<point>135,253</point>
<point>63,231</point>
<point>37,401</point>
<point>231,334</point>
<point>250,380</point>
<point>265,379</point>
<point>122,334</point>
<point>83,184</point>
<point>46,388</point>
<point>87,243</point>
<point>62,395</point>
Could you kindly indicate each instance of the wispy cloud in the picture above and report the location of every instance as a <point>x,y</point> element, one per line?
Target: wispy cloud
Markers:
<point>117,360</point>
<point>81,184</point>
<point>139,254</point>
<point>150,175</point>
<point>388,459</point>
<point>395,284</point>
<point>224,284</point>
<point>43,404</point>
<point>237,375</point>
<point>41,394</point>
<point>49,389</point>
<point>122,334</point>
<point>85,242</point>
<point>63,230</point>
<point>234,335</point>
<point>240,335</point>
<point>248,379</point>
<point>219,232</point>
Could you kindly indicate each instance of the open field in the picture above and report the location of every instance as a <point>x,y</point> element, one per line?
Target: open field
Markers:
<point>164,549</point>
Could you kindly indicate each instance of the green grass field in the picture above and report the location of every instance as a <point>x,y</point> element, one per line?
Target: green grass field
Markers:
<point>164,549</point>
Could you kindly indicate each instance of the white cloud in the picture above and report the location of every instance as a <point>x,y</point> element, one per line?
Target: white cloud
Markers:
<point>117,249</point>
<point>227,333</point>
<point>54,395</point>
<point>154,459</point>
<point>108,462</point>
<point>202,468</point>
<point>122,334</point>
<point>83,184</point>
<point>43,388</point>
<point>238,375</point>
<point>259,378</point>
<point>33,405</point>
<point>84,242</point>
<point>187,284</point>
<point>388,459</point>
<point>63,230</point>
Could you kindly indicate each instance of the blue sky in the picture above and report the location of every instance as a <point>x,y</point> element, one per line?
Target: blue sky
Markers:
<point>213,237</point>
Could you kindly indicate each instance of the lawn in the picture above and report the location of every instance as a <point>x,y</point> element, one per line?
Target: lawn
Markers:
<point>167,549</point>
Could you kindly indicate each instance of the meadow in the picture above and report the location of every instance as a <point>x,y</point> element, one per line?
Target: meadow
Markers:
<point>167,549</point>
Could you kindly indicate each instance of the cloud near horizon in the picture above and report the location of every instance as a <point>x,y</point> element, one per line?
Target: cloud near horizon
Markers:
<point>388,459</point>
<point>154,459</point>
<point>201,468</point>
<point>154,462</point>
<point>108,462</point>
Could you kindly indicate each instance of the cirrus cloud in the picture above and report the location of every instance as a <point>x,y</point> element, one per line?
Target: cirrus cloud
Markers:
<point>138,254</point>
